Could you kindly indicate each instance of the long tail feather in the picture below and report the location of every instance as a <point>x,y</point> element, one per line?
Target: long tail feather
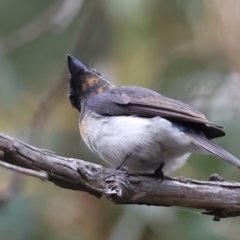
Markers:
<point>212,148</point>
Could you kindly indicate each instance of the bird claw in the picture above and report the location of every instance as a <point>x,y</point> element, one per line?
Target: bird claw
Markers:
<point>159,175</point>
<point>121,168</point>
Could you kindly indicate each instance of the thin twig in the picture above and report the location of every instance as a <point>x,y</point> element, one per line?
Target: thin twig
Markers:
<point>41,175</point>
<point>55,19</point>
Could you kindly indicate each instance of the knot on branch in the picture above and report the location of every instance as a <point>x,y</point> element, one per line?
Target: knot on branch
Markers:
<point>118,188</point>
<point>116,185</point>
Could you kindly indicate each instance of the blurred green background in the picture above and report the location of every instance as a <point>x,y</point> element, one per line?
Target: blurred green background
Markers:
<point>188,50</point>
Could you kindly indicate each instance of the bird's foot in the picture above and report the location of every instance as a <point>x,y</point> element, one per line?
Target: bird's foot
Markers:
<point>125,170</point>
<point>121,168</point>
<point>157,174</point>
<point>120,165</point>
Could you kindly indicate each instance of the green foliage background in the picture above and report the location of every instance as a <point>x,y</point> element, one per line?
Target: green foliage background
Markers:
<point>188,50</point>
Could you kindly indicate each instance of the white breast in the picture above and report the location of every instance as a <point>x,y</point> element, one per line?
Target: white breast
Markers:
<point>148,141</point>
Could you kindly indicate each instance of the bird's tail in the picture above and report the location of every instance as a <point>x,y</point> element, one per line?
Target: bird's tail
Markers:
<point>212,148</point>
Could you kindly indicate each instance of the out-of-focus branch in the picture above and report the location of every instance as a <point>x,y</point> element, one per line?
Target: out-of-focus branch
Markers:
<point>218,198</point>
<point>79,47</point>
<point>55,19</point>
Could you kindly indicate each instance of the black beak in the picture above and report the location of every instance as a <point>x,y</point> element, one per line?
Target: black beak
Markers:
<point>75,65</point>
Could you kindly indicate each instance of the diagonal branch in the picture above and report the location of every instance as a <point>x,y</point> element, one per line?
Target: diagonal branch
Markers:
<point>216,197</point>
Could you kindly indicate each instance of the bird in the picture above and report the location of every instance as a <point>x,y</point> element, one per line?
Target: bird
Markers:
<point>138,129</point>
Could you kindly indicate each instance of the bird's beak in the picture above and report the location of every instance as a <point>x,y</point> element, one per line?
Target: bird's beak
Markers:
<point>75,65</point>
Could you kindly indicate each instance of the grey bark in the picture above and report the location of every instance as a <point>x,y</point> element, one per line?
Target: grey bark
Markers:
<point>216,197</point>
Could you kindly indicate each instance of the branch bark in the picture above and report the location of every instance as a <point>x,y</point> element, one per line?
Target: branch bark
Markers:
<point>216,197</point>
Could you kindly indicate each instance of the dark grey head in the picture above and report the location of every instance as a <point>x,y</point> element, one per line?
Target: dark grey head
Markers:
<point>84,82</point>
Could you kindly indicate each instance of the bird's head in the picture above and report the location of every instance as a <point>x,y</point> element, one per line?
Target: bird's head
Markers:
<point>84,82</point>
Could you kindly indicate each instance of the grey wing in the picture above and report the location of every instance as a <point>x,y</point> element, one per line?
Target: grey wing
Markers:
<point>147,103</point>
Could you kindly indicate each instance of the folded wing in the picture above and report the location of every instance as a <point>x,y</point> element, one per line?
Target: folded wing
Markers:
<point>143,102</point>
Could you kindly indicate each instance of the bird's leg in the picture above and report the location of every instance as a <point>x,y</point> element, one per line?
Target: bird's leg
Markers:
<point>119,166</point>
<point>158,173</point>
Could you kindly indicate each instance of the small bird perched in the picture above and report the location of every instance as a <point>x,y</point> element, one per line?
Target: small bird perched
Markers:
<point>138,128</point>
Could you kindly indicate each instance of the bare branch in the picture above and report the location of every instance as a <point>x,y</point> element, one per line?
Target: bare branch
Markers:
<point>216,197</point>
